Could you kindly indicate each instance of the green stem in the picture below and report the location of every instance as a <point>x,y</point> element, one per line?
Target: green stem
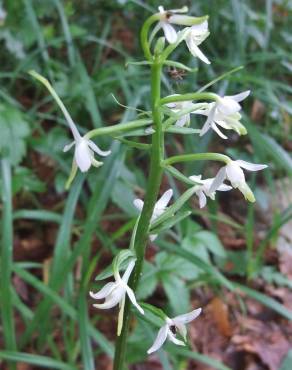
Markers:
<point>189,96</point>
<point>6,260</point>
<point>152,190</point>
<point>127,126</point>
<point>144,35</point>
<point>196,157</point>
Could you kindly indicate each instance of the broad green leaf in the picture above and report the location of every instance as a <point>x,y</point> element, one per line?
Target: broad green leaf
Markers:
<point>14,131</point>
<point>211,242</point>
<point>177,293</point>
<point>148,281</point>
<point>24,179</point>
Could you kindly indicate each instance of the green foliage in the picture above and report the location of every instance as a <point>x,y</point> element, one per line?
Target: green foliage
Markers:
<point>14,130</point>
<point>83,48</point>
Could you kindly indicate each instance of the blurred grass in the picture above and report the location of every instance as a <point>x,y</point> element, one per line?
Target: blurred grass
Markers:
<point>83,48</point>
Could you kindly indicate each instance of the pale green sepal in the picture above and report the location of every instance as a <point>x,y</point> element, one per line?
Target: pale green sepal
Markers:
<point>247,192</point>
<point>122,256</point>
<point>71,176</point>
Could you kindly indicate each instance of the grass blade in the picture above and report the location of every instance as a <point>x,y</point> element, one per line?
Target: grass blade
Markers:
<point>7,258</point>
<point>42,361</point>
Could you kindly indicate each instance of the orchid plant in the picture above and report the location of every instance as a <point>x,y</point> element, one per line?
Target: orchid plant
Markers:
<point>169,114</point>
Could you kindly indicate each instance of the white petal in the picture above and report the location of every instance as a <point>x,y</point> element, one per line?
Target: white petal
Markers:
<point>164,200</point>
<point>169,32</point>
<point>207,124</point>
<point>160,339</point>
<point>138,203</point>
<point>133,300</point>
<point>187,317</point>
<point>200,28</point>
<point>218,132</point>
<point>250,166</point>
<point>241,96</point>
<point>228,106</point>
<point>183,121</point>
<point>106,290</point>
<point>224,187</point>
<point>82,155</point>
<point>173,339</point>
<point>128,271</point>
<point>197,178</point>
<point>234,174</point>
<point>152,237</point>
<point>96,149</point>
<point>218,180</point>
<point>113,299</point>
<point>196,52</point>
<point>68,146</point>
<point>202,198</point>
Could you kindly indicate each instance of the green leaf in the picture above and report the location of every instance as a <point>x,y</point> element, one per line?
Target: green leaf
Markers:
<point>28,358</point>
<point>196,356</point>
<point>170,222</point>
<point>177,293</point>
<point>172,63</point>
<point>182,130</point>
<point>265,300</point>
<point>207,268</point>
<point>148,281</point>
<point>14,130</point>
<point>211,242</point>
<point>24,179</point>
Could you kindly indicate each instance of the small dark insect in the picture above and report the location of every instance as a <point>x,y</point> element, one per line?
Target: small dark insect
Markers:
<point>173,329</point>
<point>176,74</point>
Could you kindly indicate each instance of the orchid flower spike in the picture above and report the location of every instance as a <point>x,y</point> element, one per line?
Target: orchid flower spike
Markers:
<point>194,37</point>
<point>171,326</point>
<point>204,189</point>
<point>224,113</point>
<point>188,106</point>
<point>84,148</point>
<point>234,173</point>
<point>159,208</point>
<point>115,293</point>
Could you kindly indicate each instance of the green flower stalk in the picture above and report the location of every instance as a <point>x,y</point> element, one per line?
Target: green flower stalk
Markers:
<point>169,114</point>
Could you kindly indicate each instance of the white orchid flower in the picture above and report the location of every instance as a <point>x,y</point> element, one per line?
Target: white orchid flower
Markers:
<point>159,208</point>
<point>84,148</point>
<point>170,328</point>
<point>169,17</point>
<point>204,189</point>
<point>194,37</point>
<point>234,173</point>
<point>179,106</point>
<point>115,292</point>
<point>224,113</point>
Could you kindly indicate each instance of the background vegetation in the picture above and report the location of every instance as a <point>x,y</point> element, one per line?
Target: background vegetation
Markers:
<point>232,259</point>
